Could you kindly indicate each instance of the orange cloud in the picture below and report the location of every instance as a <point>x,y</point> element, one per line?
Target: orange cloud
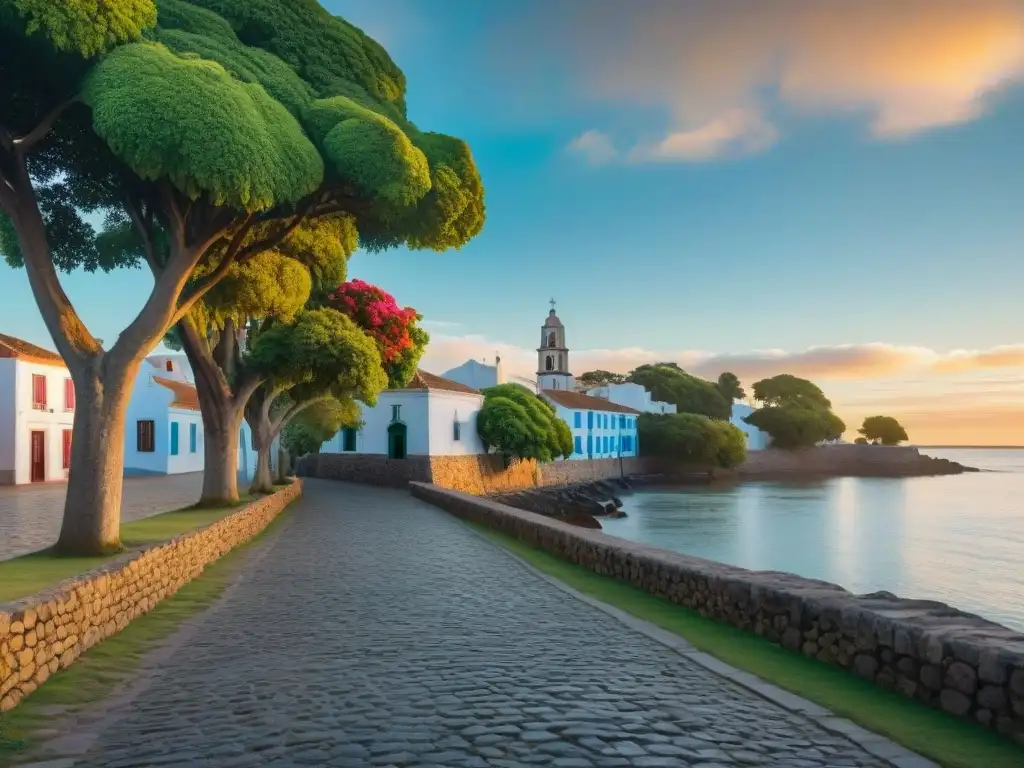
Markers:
<point>722,67</point>
<point>1009,356</point>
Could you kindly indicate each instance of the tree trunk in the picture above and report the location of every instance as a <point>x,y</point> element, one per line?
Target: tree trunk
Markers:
<point>284,464</point>
<point>262,481</point>
<point>92,507</point>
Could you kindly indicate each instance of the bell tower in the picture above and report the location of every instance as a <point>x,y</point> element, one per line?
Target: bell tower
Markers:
<point>553,355</point>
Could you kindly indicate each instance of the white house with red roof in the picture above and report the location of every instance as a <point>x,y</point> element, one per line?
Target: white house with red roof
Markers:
<point>37,410</point>
<point>431,416</point>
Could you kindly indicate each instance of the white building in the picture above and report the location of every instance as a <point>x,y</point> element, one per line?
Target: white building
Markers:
<point>480,375</point>
<point>756,439</point>
<point>164,428</point>
<point>431,416</point>
<point>600,429</point>
<point>37,410</point>
<point>633,396</point>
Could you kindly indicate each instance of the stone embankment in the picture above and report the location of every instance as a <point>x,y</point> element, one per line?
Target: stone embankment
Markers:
<point>579,504</point>
<point>50,630</point>
<point>928,651</point>
<point>846,460</point>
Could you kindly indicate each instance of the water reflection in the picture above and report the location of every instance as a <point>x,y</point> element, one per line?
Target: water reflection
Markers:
<point>958,539</point>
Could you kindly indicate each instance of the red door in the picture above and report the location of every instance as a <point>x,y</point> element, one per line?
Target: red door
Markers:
<point>38,457</point>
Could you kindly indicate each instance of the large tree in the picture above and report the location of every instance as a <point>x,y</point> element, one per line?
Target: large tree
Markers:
<point>883,429</point>
<point>201,136</point>
<point>322,356</point>
<point>314,426</point>
<point>517,424</point>
<point>795,412</point>
<point>729,387</point>
<point>692,438</point>
<point>669,383</point>
<point>599,378</point>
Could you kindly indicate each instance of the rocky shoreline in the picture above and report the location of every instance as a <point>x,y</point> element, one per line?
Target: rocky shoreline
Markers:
<point>580,504</point>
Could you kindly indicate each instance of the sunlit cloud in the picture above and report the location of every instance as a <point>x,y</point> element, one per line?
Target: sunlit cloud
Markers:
<point>1009,356</point>
<point>727,73</point>
<point>596,147</point>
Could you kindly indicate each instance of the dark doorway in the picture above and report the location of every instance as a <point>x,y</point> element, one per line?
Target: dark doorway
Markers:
<point>396,440</point>
<point>38,455</point>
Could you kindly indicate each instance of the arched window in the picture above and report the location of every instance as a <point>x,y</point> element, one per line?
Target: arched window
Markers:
<point>549,363</point>
<point>551,339</point>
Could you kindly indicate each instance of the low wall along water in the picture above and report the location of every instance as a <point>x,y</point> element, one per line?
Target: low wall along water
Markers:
<point>957,662</point>
<point>49,631</point>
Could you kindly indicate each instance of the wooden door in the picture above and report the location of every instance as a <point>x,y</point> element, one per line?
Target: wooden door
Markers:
<point>38,455</point>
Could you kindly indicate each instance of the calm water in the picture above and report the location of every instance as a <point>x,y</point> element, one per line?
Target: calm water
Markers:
<point>957,539</point>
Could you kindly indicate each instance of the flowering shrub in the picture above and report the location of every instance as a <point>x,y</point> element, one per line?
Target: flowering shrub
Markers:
<point>376,312</point>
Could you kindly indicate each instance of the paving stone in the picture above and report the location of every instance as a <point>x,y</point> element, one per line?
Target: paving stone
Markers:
<point>378,631</point>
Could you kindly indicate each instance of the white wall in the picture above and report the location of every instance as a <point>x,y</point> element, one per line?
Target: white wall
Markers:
<point>52,422</point>
<point>186,460</point>
<point>8,418</point>
<point>149,402</point>
<point>632,396</point>
<point>756,439</point>
<point>475,374</point>
<point>373,437</point>
<point>444,409</point>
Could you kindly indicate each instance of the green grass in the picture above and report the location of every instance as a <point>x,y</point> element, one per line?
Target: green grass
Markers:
<point>29,574</point>
<point>946,740</point>
<point>104,666</point>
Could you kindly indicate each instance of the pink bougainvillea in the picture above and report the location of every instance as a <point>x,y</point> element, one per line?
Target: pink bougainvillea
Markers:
<point>376,312</point>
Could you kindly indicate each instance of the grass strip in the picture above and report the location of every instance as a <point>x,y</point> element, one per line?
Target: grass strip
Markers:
<point>947,740</point>
<point>98,671</point>
<point>28,574</point>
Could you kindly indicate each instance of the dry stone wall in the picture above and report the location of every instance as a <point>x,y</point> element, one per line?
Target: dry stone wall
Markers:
<point>50,630</point>
<point>369,469</point>
<point>965,665</point>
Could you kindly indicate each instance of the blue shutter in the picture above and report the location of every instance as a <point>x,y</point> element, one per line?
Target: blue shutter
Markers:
<point>193,435</point>
<point>579,443</point>
<point>590,419</point>
<point>590,445</point>
<point>577,419</point>
<point>174,438</point>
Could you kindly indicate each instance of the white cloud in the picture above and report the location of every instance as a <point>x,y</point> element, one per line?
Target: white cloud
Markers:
<point>740,132</point>
<point>596,147</point>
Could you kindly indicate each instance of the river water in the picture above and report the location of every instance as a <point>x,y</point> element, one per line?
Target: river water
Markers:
<point>958,539</point>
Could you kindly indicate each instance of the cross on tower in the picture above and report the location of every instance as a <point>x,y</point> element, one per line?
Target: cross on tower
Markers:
<point>552,303</point>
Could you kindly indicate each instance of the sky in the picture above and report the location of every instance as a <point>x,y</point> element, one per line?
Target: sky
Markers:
<point>829,189</point>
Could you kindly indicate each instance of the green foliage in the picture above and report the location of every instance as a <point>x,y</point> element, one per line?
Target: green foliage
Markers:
<point>599,378</point>
<point>401,370</point>
<point>690,437</point>
<point>189,121</point>
<point>797,426</point>
<point>861,441</point>
<point>883,429</point>
<point>318,423</point>
<point>785,389</point>
<point>520,425</point>
<point>669,383</point>
<point>86,27</point>
<point>729,387</point>
<point>323,352</point>
<point>796,413</point>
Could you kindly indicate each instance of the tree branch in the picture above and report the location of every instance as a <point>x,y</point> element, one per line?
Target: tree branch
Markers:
<point>144,227</point>
<point>291,413</point>
<point>27,142</point>
<point>277,238</point>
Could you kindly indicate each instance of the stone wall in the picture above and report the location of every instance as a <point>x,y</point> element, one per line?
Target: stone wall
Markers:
<point>50,630</point>
<point>927,651</point>
<point>371,469</point>
<point>836,460</point>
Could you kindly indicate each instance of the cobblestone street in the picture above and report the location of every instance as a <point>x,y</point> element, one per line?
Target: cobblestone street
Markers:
<point>30,515</point>
<point>379,631</point>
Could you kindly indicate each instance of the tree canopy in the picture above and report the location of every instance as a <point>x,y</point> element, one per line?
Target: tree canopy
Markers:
<point>518,424</point>
<point>729,387</point>
<point>314,426</point>
<point>693,438</point>
<point>690,394</point>
<point>795,413</point>
<point>599,378</point>
<point>883,429</point>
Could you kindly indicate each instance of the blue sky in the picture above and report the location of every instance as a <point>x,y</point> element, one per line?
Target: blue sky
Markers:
<point>742,184</point>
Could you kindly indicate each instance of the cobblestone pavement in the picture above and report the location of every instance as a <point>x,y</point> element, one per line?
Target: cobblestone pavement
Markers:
<point>378,631</point>
<point>30,515</point>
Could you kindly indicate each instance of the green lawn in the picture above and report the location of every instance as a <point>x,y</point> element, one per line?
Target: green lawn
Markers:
<point>29,574</point>
<point>102,667</point>
<point>947,740</point>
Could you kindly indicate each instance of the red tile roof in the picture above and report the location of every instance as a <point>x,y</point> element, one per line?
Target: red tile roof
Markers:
<point>185,395</point>
<point>11,347</point>
<point>582,402</point>
<point>428,381</point>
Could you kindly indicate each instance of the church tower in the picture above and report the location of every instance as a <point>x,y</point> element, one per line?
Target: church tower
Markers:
<point>553,355</point>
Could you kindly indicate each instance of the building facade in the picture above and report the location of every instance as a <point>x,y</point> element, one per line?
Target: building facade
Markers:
<point>553,356</point>
<point>600,429</point>
<point>37,412</point>
<point>632,396</point>
<point>431,416</point>
<point>756,439</point>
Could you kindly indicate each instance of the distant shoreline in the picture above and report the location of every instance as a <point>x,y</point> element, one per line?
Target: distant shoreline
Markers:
<point>973,447</point>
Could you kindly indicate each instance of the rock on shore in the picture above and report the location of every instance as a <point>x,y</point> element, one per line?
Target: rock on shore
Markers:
<point>578,504</point>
